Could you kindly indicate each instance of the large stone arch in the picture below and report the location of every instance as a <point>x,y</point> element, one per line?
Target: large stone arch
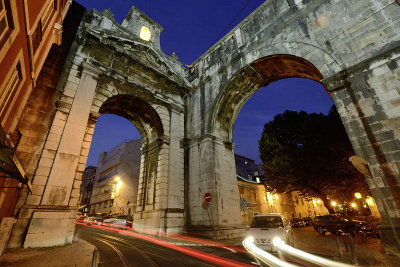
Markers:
<point>246,82</point>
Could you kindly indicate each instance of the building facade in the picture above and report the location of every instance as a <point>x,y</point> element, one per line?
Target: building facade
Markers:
<point>88,178</point>
<point>116,181</point>
<point>28,30</point>
<point>255,199</point>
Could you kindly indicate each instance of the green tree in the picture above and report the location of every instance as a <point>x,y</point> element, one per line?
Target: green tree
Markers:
<point>309,152</point>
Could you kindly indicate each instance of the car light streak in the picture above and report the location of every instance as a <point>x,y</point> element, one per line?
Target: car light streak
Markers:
<point>196,240</point>
<point>220,261</point>
<point>306,256</point>
<point>262,255</point>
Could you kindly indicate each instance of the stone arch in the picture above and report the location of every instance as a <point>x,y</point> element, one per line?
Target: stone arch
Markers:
<point>248,80</point>
<point>139,112</point>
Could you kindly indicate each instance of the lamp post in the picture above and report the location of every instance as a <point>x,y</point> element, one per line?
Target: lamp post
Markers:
<point>334,204</point>
<point>359,200</point>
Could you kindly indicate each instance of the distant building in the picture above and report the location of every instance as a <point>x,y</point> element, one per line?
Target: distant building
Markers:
<point>254,199</point>
<point>116,180</point>
<point>246,168</point>
<point>88,178</point>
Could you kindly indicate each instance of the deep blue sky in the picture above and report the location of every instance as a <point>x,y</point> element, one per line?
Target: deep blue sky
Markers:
<point>190,28</point>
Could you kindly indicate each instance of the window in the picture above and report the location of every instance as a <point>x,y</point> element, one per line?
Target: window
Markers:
<point>111,202</point>
<point>8,92</point>
<point>105,204</point>
<point>51,5</point>
<point>37,37</point>
<point>5,17</point>
<point>37,34</point>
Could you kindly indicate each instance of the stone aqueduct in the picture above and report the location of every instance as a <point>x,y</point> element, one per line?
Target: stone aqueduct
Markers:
<point>186,117</point>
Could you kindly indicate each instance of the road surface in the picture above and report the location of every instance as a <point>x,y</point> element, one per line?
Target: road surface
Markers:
<point>121,250</point>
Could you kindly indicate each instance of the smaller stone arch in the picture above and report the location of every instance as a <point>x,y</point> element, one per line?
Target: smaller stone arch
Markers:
<point>139,112</point>
<point>247,81</point>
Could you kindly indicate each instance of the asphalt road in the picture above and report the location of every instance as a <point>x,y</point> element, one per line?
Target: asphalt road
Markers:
<point>120,250</point>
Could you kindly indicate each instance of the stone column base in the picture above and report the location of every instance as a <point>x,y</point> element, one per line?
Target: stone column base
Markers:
<point>50,227</point>
<point>388,237</point>
<point>159,222</point>
<point>221,232</point>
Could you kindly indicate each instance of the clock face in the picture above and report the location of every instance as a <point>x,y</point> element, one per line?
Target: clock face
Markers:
<point>145,33</point>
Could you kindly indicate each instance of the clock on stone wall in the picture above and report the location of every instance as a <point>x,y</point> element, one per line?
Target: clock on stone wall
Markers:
<point>145,33</point>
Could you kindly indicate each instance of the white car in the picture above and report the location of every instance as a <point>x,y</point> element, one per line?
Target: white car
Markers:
<point>265,227</point>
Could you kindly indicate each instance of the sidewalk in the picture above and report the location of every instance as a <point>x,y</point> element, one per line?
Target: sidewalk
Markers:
<point>369,253</point>
<point>80,253</point>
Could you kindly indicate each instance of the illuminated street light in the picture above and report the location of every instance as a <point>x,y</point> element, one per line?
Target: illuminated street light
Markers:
<point>334,204</point>
<point>357,195</point>
<point>319,201</point>
<point>353,205</point>
<point>117,179</point>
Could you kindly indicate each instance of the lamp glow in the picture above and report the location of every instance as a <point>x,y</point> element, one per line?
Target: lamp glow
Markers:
<point>334,204</point>
<point>117,179</point>
<point>357,195</point>
<point>145,33</point>
<point>353,205</point>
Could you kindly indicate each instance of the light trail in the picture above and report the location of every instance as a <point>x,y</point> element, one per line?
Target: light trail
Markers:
<point>264,256</point>
<point>220,261</point>
<point>306,256</point>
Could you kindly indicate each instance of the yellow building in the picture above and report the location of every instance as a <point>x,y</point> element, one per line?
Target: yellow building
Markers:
<point>254,199</point>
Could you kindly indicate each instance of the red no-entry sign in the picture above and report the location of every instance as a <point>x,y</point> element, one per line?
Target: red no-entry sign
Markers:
<point>207,197</point>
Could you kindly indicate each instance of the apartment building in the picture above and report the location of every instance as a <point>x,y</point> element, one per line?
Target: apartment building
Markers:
<point>116,181</point>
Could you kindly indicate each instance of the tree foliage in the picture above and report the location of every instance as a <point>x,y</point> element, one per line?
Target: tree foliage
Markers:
<point>309,152</point>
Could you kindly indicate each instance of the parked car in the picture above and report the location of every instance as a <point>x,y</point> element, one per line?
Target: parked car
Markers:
<point>334,224</point>
<point>339,225</point>
<point>297,223</point>
<point>265,227</point>
<point>307,221</point>
<point>125,220</point>
<point>93,220</point>
<point>365,228</point>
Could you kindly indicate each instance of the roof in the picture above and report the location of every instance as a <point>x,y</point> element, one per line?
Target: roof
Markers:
<point>241,178</point>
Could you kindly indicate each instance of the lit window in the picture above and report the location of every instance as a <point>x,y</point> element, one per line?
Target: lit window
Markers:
<point>145,33</point>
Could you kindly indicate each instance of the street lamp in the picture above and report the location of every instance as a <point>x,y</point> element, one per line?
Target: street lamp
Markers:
<point>354,205</point>
<point>334,204</point>
<point>357,195</point>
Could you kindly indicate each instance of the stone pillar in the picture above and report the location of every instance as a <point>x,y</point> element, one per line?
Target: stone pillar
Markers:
<point>212,170</point>
<point>52,205</point>
<point>161,184</point>
<point>173,190</point>
<point>368,100</point>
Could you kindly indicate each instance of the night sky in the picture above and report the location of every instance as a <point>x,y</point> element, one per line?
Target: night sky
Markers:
<point>190,28</point>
